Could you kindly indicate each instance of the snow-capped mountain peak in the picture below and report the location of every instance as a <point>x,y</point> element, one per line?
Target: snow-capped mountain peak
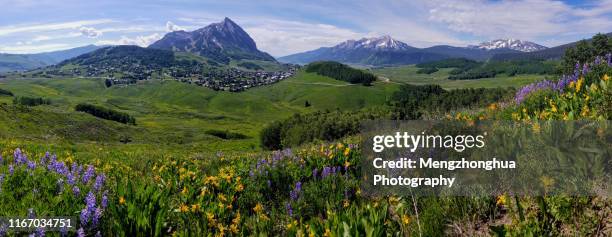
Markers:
<point>515,44</point>
<point>383,43</point>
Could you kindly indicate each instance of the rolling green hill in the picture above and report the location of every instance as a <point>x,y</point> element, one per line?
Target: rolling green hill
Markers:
<point>175,113</point>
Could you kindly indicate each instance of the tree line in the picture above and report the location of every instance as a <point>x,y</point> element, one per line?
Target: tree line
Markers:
<point>341,72</point>
<point>465,69</point>
<point>105,113</point>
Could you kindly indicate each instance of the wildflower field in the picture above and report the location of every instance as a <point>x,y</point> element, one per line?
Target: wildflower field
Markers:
<point>308,190</point>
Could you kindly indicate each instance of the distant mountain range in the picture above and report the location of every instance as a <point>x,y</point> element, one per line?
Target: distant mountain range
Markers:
<point>388,51</point>
<point>22,62</point>
<point>514,44</point>
<point>219,41</point>
<point>549,53</point>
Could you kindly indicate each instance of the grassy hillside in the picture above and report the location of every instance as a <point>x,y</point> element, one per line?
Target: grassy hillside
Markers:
<point>174,112</point>
<point>409,75</point>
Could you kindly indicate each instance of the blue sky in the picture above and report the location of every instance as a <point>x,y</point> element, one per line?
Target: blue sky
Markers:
<point>285,27</point>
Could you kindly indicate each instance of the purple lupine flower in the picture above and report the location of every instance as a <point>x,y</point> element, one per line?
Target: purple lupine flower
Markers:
<point>31,165</point>
<point>81,232</point>
<point>99,181</point>
<point>44,159</point>
<point>84,216</point>
<point>3,229</point>
<point>89,173</point>
<point>11,169</point>
<point>90,201</point>
<point>289,209</point>
<point>63,231</point>
<point>314,173</point>
<point>298,186</point>
<point>96,216</point>
<point>598,60</point>
<point>326,172</point>
<point>0,158</point>
<point>40,232</point>
<point>31,213</point>
<point>609,56</point>
<point>70,179</point>
<point>76,191</point>
<point>585,69</point>
<point>104,201</point>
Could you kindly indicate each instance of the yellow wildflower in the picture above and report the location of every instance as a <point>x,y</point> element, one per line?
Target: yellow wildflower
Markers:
<point>234,228</point>
<point>345,203</point>
<point>501,200</point>
<point>327,232</point>
<point>195,208</point>
<point>347,151</point>
<point>340,146</point>
<point>493,106</point>
<point>585,111</point>
<point>239,188</point>
<point>121,200</point>
<point>347,164</point>
<point>222,197</point>
<point>605,77</point>
<point>536,127</point>
<point>184,208</point>
<point>185,191</point>
<point>258,208</point>
<point>547,181</point>
<point>579,84</point>
<point>406,219</point>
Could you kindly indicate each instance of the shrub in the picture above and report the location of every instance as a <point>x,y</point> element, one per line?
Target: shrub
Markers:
<point>226,134</point>
<point>105,113</point>
<point>6,92</point>
<point>31,101</point>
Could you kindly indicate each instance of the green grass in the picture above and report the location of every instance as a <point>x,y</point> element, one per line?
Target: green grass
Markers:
<point>409,75</point>
<point>169,112</point>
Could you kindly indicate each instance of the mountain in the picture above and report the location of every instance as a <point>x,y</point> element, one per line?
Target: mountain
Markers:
<point>514,44</point>
<point>22,62</point>
<point>388,51</point>
<point>221,42</point>
<point>549,53</point>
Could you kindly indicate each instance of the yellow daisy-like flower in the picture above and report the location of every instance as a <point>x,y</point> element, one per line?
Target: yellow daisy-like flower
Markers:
<point>121,200</point>
<point>579,84</point>
<point>185,191</point>
<point>406,219</point>
<point>258,208</point>
<point>346,203</point>
<point>347,164</point>
<point>327,232</point>
<point>239,188</point>
<point>493,106</point>
<point>183,208</point>
<point>605,77</point>
<point>347,151</point>
<point>500,200</point>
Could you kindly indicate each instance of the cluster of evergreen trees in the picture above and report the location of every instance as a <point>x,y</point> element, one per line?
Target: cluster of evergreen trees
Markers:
<point>105,113</point>
<point>341,72</point>
<point>410,102</point>
<point>6,92</point>
<point>586,51</point>
<point>31,101</point>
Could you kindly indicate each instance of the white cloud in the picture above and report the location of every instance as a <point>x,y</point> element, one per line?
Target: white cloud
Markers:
<point>525,19</point>
<point>90,32</point>
<point>170,27</point>
<point>142,41</point>
<point>8,30</point>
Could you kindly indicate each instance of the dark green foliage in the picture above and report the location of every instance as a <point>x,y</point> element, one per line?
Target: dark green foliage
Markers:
<point>105,113</point>
<point>341,72</point>
<point>5,92</point>
<point>108,83</point>
<point>586,51</point>
<point>227,135</point>
<point>322,125</point>
<point>410,102</point>
<point>307,104</point>
<point>30,101</point>
<point>126,54</point>
<point>249,65</point>
<point>427,70</point>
